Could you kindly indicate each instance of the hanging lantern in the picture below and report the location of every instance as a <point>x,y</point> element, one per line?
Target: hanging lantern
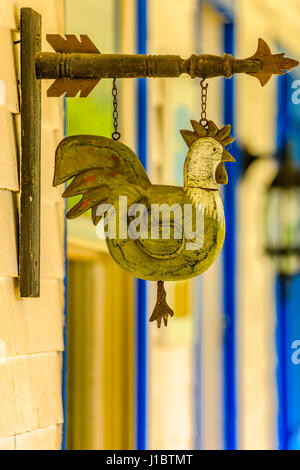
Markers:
<point>283,216</point>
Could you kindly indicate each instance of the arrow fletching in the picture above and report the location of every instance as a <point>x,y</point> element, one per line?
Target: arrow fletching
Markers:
<point>68,45</point>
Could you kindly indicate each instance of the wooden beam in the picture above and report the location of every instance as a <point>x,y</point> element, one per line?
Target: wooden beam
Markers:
<point>96,66</point>
<point>29,239</point>
<point>77,65</point>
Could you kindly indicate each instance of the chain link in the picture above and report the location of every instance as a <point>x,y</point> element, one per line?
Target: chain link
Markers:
<point>203,119</point>
<point>116,134</point>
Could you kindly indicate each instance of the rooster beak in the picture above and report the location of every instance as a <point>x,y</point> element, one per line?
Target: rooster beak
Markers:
<point>221,174</point>
<point>227,157</point>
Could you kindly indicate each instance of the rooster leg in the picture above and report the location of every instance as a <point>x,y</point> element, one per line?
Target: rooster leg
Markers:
<point>161,310</point>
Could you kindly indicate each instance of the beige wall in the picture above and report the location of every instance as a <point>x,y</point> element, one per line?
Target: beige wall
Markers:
<point>171,349</point>
<point>31,330</point>
<point>277,22</point>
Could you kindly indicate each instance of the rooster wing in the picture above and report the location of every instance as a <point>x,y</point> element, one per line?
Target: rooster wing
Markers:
<point>103,170</point>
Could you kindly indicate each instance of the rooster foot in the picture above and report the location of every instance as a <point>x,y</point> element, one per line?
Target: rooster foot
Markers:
<point>161,310</point>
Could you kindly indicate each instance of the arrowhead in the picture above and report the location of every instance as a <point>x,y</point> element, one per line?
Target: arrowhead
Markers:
<point>270,63</point>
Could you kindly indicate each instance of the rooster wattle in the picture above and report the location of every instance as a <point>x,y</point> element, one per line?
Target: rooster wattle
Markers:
<point>104,169</point>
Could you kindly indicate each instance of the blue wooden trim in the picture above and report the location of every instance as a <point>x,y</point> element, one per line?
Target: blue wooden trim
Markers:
<point>280,287</point>
<point>141,367</point>
<point>223,7</point>
<point>287,295</point>
<point>229,251</point>
<point>64,358</point>
<point>197,365</point>
<point>141,301</point>
<point>229,265</point>
<point>282,378</point>
<point>282,112</point>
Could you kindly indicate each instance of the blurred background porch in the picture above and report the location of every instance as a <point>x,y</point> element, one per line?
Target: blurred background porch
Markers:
<point>221,374</point>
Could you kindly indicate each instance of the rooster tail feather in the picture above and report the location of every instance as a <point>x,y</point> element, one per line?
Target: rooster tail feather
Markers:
<point>92,179</point>
<point>102,157</point>
<point>104,194</point>
<point>90,199</point>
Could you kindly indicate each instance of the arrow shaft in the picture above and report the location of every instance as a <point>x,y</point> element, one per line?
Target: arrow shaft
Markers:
<point>96,66</point>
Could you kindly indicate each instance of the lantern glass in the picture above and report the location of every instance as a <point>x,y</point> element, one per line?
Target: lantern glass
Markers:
<point>283,228</point>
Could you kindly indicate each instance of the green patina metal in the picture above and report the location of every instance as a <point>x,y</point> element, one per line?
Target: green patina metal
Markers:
<point>103,170</point>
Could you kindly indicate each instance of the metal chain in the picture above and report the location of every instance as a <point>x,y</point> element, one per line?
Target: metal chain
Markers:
<point>116,134</point>
<point>203,119</point>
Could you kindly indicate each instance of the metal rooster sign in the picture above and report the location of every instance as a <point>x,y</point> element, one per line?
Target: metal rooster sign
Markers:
<point>105,170</point>
<point>107,173</point>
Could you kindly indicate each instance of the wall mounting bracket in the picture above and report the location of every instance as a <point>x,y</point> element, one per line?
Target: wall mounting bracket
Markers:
<point>77,66</point>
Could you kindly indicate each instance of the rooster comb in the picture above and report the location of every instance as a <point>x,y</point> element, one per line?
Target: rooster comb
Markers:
<point>220,135</point>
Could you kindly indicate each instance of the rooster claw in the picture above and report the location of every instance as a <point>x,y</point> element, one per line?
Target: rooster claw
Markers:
<point>161,310</point>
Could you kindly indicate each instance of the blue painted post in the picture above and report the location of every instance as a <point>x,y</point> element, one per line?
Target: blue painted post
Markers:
<point>141,320</point>
<point>281,287</point>
<point>197,364</point>
<point>282,352</point>
<point>229,265</point>
<point>64,364</point>
<point>282,123</point>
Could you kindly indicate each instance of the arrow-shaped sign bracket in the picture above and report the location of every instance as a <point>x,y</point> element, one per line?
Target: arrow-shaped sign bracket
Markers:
<point>70,87</point>
<point>77,66</point>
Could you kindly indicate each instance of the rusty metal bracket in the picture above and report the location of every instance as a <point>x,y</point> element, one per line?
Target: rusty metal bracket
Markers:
<point>77,66</point>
